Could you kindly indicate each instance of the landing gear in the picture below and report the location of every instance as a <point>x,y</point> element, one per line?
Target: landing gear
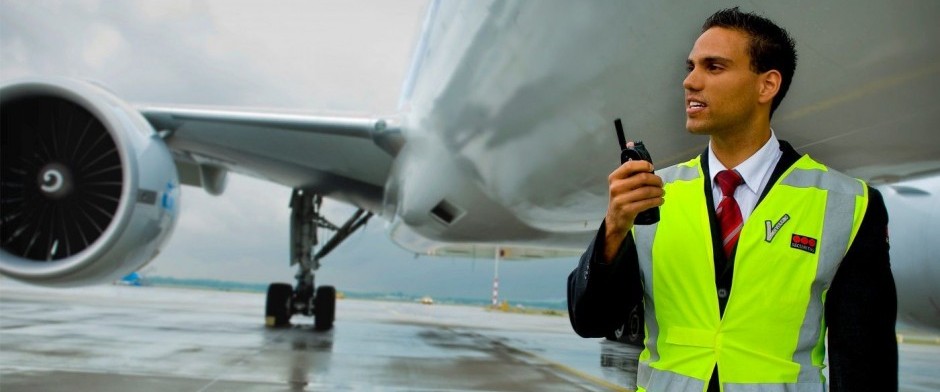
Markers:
<point>324,308</point>
<point>320,302</point>
<point>277,312</point>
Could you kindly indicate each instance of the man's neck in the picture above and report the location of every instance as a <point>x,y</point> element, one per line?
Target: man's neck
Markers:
<point>732,149</point>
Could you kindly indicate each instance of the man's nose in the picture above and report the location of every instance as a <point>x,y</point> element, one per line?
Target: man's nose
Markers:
<point>692,81</point>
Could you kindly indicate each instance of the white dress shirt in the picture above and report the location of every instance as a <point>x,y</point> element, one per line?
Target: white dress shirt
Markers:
<point>755,171</point>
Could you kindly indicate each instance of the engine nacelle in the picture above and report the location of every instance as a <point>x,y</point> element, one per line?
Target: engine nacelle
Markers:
<point>89,190</point>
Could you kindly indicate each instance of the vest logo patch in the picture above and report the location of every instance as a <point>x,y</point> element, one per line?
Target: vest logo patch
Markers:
<point>772,230</point>
<point>803,242</point>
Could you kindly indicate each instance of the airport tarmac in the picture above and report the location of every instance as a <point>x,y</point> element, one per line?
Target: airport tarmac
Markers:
<point>119,338</point>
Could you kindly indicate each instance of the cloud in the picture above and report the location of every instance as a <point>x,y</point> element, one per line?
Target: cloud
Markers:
<point>104,43</point>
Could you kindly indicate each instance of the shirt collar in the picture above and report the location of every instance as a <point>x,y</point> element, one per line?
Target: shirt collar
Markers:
<point>754,168</point>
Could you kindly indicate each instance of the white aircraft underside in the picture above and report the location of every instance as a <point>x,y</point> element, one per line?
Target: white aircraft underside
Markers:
<point>505,135</point>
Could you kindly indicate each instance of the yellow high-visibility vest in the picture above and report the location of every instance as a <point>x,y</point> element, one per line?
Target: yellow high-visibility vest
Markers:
<point>771,336</point>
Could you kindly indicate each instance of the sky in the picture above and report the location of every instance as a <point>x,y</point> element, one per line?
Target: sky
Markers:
<point>334,56</point>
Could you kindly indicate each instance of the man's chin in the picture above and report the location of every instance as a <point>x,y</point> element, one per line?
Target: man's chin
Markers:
<point>696,127</point>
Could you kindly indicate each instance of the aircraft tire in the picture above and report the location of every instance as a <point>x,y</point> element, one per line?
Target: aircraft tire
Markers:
<point>277,311</point>
<point>324,308</point>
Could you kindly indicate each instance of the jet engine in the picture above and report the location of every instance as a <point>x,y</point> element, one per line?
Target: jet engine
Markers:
<point>89,190</point>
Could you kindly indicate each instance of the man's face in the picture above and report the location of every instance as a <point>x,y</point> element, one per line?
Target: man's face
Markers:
<point>721,89</point>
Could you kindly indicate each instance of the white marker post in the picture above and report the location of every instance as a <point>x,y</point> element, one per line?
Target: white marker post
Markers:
<point>496,279</point>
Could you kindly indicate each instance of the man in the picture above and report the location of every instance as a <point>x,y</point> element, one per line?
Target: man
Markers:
<point>758,250</point>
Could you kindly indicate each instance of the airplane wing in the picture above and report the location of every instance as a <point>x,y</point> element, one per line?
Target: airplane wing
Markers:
<point>345,158</point>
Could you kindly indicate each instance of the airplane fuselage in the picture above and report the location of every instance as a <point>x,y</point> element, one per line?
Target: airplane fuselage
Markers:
<point>512,105</point>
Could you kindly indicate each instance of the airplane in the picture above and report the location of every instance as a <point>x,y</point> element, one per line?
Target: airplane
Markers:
<point>131,279</point>
<point>503,143</point>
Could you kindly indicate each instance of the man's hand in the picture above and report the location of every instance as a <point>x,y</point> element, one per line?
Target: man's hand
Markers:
<point>633,189</point>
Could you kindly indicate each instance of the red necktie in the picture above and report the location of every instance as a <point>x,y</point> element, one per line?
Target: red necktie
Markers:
<point>729,214</point>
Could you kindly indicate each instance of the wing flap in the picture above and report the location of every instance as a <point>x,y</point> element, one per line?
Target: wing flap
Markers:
<point>345,158</point>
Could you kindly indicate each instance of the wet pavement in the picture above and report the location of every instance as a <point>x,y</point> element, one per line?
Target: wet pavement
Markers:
<point>116,338</point>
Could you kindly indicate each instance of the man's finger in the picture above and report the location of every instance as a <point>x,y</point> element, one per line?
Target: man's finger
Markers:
<point>631,167</point>
<point>623,201</point>
<point>636,181</point>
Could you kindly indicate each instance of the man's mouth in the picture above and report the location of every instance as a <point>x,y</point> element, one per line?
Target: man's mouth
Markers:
<point>693,106</point>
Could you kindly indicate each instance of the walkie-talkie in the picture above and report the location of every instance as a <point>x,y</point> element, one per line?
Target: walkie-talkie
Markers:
<point>637,152</point>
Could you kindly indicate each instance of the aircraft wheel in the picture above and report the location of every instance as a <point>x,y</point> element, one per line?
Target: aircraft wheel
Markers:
<point>277,312</point>
<point>324,307</point>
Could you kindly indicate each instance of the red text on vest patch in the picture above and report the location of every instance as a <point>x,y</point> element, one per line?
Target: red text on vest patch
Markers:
<point>803,242</point>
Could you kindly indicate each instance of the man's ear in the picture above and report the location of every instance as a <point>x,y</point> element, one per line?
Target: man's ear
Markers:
<point>769,85</point>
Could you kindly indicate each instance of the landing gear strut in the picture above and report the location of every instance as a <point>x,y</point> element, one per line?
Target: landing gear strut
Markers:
<point>305,298</point>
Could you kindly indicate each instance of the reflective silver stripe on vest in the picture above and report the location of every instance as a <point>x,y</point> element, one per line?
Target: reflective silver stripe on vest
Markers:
<point>643,374</point>
<point>837,228</point>
<point>811,387</point>
<point>679,172</point>
<point>656,380</point>
<point>828,180</point>
<point>644,250</point>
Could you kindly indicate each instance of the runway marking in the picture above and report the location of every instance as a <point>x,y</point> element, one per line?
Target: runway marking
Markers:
<point>577,373</point>
<point>243,359</point>
<point>567,369</point>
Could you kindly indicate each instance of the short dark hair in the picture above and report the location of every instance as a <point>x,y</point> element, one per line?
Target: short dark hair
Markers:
<point>770,47</point>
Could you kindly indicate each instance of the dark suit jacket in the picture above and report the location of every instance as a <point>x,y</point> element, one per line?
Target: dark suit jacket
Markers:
<point>861,306</point>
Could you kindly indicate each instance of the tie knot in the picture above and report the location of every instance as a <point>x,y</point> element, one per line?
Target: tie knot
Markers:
<point>728,181</point>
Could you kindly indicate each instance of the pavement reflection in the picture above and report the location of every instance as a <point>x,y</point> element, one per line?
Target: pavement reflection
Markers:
<point>152,339</point>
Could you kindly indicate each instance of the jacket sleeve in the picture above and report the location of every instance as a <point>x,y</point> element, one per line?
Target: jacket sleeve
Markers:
<point>861,310</point>
<point>600,296</point>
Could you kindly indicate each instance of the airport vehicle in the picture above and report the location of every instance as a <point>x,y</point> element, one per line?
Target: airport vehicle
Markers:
<point>503,141</point>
